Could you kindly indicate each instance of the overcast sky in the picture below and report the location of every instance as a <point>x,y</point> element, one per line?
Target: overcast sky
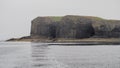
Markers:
<point>16,15</point>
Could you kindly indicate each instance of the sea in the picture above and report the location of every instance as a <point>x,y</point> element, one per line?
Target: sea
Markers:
<point>43,55</point>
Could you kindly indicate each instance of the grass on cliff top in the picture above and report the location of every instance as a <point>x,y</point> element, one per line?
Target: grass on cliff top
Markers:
<point>87,17</point>
<point>56,18</point>
<point>94,18</point>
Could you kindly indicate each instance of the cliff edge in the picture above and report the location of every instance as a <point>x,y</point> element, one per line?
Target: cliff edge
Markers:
<point>73,28</point>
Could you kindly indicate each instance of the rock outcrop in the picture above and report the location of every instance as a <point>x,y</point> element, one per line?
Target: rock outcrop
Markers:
<point>74,27</point>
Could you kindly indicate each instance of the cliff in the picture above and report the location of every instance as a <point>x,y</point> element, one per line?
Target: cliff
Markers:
<point>74,27</point>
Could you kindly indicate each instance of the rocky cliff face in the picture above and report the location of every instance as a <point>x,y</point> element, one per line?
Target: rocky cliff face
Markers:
<point>74,27</point>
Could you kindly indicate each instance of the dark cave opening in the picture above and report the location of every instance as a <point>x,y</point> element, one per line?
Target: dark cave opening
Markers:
<point>52,31</point>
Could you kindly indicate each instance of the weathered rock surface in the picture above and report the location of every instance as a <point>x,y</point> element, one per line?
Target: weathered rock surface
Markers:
<point>74,27</point>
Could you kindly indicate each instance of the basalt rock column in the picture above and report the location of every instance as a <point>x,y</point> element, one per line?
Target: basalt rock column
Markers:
<point>74,27</point>
<point>40,27</point>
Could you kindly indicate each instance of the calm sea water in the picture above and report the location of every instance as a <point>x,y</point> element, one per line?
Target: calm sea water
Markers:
<point>42,55</point>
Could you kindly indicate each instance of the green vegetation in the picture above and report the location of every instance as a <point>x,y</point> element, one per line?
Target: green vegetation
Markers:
<point>87,17</point>
<point>56,18</point>
<point>93,17</point>
<point>97,18</point>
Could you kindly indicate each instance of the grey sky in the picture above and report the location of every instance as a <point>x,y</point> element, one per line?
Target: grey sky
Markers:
<point>16,15</point>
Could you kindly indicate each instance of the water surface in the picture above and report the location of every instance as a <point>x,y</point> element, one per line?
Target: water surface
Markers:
<point>42,55</point>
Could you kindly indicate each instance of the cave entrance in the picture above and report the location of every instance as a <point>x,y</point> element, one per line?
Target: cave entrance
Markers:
<point>52,30</point>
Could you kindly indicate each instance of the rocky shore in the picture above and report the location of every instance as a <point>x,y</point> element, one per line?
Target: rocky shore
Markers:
<point>85,41</point>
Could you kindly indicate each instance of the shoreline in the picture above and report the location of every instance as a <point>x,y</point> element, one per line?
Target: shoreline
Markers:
<point>86,41</point>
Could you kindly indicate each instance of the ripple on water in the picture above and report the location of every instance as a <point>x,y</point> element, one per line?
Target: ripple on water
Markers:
<point>43,56</point>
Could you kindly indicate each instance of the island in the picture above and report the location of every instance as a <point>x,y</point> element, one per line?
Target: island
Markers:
<point>73,28</point>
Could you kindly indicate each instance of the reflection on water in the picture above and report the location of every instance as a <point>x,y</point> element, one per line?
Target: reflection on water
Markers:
<point>45,56</point>
<point>41,55</point>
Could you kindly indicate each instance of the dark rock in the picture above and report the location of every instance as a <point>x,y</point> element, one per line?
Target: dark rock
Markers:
<point>25,37</point>
<point>104,28</point>
<point>116,32</point>
<point>40,26</point>
<point>74,27</point>
<point>12,39</point>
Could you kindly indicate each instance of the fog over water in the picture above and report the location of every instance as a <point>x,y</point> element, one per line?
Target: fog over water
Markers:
<point>16,15</point>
